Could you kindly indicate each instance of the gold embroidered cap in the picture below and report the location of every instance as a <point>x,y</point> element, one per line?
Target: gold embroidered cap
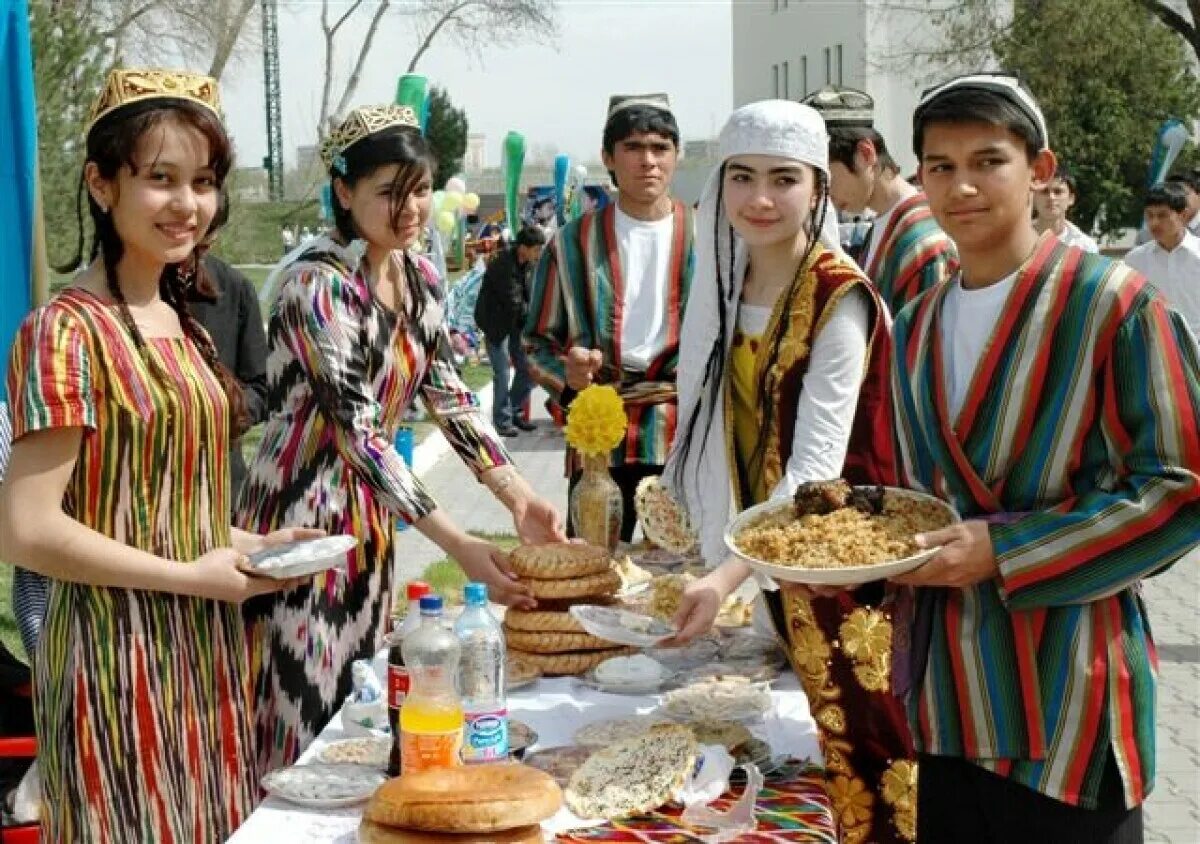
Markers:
<point>133,85</point>
<point>363,122</point>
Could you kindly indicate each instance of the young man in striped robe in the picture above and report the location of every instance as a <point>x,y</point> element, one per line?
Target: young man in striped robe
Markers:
<point>906,251</point>
<point>607,297</point>
<point>1054,398</point>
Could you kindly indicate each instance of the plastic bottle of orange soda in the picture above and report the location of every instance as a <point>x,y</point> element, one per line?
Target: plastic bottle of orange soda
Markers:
<point>431,719</point>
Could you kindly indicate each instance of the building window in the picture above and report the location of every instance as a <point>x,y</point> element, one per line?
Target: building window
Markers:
<point>839,64</point>
<point>775,81</point>
<point>804,76</point>
<point>786,86</point>
<point>828,67</point>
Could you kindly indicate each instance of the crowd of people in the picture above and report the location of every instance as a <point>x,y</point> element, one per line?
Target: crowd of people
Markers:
<point>1050,394</point>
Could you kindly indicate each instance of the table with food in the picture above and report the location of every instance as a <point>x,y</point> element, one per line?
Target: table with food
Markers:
<point>573,721</point>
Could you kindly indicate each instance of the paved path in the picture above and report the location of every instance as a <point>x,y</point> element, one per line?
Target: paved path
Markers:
<point>1173,600</point>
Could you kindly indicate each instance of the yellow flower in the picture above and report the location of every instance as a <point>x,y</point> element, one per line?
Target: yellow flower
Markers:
<point>596,421</point>
<point>899,785</point>
<point>851,800</point>
<point>866,636</point>
<point>809,652</point>
<point>873,676</point>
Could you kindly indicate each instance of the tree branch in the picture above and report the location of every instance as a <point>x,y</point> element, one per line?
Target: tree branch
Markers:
<point>118,28</point>
<point>227,38</point>
<point>437,26</point>
<point>356,74</point>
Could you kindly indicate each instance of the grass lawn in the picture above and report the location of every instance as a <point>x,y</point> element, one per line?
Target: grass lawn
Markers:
<point>447,578</point>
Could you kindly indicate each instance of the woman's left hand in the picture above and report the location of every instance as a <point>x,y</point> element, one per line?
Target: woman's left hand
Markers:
<point>537,521</point>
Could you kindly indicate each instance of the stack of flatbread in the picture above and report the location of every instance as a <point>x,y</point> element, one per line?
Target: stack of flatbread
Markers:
<point>560,576</point>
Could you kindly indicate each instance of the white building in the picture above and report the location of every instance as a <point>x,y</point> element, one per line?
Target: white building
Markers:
<point>475,159</point>
<point>790,48</point>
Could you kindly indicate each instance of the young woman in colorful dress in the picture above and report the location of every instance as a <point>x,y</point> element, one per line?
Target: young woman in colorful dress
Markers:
<point>782,381</point>
<point>118,490</point>
<point>356,334</point>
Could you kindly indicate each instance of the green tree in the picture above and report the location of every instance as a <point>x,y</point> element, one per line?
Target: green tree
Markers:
<point>1106,80</point>
<point>68,64</point>
<point>446,131</point>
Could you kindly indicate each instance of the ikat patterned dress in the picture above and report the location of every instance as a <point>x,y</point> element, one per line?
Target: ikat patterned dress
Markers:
<point>142,699</point>
<point>342,369</point>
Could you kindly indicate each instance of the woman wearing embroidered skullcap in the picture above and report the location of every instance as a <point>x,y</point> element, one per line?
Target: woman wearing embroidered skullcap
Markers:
<point>118,491</point>
<point>782,381</point>
<point>356,335</point>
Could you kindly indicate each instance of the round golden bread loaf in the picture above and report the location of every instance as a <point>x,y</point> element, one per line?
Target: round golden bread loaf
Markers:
<point>559,560</point>
<point>574,662</point>
<point>471,798</point>
<point>605,583</point>
<point>541,621</point>
<point>370,832</point>
<point>551,642</point>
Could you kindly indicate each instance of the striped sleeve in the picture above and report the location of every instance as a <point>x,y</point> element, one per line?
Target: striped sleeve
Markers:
<point>1102,541</point>
<point>546,330</point>
<point>454,407</point>
<point>320,313</point>
<point>50,376</point>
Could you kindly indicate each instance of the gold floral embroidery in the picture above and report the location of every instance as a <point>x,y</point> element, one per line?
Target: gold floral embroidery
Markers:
<point>898,786</point>
<point>836,753</point>
<point>851,800</point>
<point>874,677</point>
<point>809,653</point>
<point>832,718</point>
<point>866,634</point>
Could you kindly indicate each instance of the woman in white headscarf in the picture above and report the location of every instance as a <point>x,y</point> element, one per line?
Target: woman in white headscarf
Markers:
<point>783,380</point>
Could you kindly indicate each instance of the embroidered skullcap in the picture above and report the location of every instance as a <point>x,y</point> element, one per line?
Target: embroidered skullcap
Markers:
<point>843,106</point>
<point>776,127</point>
<point>620,102</point>
<point>362,123</point>
<point>126,86</point>
<point>1006,86</point>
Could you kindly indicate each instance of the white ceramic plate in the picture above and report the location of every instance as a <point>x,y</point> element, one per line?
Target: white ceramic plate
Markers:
<point>308,556</point>
<point>642,687</point>
<point>839,576</point>
<point>324,786</point>
<point>621,626</point>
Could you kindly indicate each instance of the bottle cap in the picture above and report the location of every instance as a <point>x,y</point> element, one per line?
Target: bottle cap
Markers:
<point>418,589</point>
<point>475,594</point>
<point>431,605</point>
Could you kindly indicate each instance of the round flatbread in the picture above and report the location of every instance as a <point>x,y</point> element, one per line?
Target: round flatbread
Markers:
<point>604,733</point>
<point>558,561</point>
<point>605,583</point>
<point>663,521</point>
<point>633,776</point>
<point>559,762</point>
<point>541,621</point>
<point>577,662</point>
<point>520,672</point>
<point>718,699</point>
<point>554,643</point>
<point>370,832</point>
<point>728,734</point>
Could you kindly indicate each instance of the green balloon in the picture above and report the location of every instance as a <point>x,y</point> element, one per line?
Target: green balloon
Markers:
<point>514,160</point>
<point>411,91</point>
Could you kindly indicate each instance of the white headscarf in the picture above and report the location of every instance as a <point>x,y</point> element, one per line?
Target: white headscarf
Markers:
<point>703,481</point>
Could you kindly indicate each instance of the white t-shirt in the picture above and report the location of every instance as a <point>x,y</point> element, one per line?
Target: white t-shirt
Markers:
<point>969,317</point>
<point>1175,273</point>
<point>645,250</point>
<point>878,228</point>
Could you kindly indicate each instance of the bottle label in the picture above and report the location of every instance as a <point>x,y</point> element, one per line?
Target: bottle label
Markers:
<point>485,736</point>
<point>427,751</point>
<point>399,682</point>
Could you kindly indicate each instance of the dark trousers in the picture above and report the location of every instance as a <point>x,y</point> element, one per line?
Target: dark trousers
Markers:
<point>511,380</point>
<point>958,801</point>
<point>627,478</point>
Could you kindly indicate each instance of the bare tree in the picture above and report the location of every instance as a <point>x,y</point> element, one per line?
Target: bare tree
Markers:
<point>473,24</point>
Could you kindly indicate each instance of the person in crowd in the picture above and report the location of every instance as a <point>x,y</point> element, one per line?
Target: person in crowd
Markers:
<point>500,315</point>
<point>1171,259</point>
<point>118,492</point>
<point>1190,182</point>
<point>356,335</point>
<point>225,303</point>
<point>288,237</point>
<point>783,368</point>
<point>906,252</point>
<point>1051,205</point>
<point>1053,398</point>
<point>609,294</point>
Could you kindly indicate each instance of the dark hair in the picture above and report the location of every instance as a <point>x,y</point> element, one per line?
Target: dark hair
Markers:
<point>401,145</point>
<point>714,368</point>
<point>531,236</point>
<point>1171,194</point>
<point>1187,179</point>
<point>844,141</point>
<point>1063,174</point>
<point>973,105</point>
<point>638,120</point>
<point>111,144</point>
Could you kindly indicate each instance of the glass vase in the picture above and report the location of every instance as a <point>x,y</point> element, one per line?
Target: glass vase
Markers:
<point>596,505</point>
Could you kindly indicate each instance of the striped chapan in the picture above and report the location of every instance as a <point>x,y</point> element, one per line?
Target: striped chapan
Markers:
<point>913,255</point>
<point>577,299</point>
<point>1082,423</point>
<point>141,698</point>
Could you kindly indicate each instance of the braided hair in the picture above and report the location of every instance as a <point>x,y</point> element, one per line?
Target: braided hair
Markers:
<point>111,144</point>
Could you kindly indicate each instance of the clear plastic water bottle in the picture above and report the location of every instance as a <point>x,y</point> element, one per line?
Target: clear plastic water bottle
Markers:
<point>481,679</point>
<point>431,717</point>
<point>397,674</point>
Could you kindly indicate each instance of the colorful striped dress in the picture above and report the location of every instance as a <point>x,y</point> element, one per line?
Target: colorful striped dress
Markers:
<point>342,370</point>
<point>142,699</point>
<point>1079,440</point>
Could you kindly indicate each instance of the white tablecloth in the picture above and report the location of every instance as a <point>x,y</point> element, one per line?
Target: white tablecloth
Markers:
<point>555,709</point>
